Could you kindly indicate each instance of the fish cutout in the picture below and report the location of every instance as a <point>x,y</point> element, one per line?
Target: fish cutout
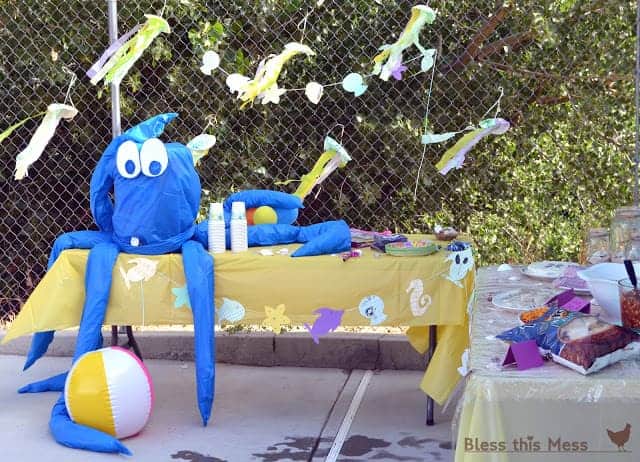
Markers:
<point>372,308</point>
<point>210,62</point>
<point>143,270</point>
<point>200,146</point>
<point>354,83</point>
<point>328,321</point>
<point>313,92</point>
<point>231,310</point>
<point>390,58</point>
<point>334,156</point>
<point>41,137</point>
<point>122,58</point>
<point>264,85</point>
<point>455,156</point>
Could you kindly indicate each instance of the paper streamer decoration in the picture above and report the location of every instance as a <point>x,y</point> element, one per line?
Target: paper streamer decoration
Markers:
<point>334,156</point>
<point>42,136</point>
<point>264,85</point>
<point>122,55</point>
<point>454,157</point>
<point>389,62</point>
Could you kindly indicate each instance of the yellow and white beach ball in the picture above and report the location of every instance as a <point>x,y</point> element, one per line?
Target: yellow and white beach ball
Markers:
<point>109,390</point>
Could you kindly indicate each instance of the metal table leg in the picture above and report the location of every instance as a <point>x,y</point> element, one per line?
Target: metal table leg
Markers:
<point>433,341</point>
<point>131,341</point>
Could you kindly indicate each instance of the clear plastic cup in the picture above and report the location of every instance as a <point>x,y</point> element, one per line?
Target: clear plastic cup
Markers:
<point>629,304</point>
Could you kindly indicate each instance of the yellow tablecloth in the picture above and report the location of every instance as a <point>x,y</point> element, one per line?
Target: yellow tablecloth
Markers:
<point>550,413</point>
<point>399,291</point>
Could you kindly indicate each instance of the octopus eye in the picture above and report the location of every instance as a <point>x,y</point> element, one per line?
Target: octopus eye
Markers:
<point>153,157</point>
<point>128,160</point>
<point>457,259</point>
<point>466,260</point>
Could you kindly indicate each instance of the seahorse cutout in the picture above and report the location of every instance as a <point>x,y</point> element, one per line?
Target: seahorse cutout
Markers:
<point>418,299</point>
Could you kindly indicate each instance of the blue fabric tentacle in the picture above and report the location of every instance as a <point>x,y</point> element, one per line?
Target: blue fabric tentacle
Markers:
<point>198,270</point>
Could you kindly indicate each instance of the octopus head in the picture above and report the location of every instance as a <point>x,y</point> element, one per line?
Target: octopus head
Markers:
<point>156,189</point>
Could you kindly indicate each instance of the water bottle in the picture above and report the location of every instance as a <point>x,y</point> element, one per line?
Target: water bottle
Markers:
<point>216,228</point>
<point>239,242</point>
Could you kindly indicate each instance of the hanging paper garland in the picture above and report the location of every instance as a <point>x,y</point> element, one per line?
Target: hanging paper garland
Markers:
<point>41,137</point>
<point>125,51</point>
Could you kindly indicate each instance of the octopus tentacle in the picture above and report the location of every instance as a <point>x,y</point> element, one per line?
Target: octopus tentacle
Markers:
<point>74,240</point>
<point>198,270</point>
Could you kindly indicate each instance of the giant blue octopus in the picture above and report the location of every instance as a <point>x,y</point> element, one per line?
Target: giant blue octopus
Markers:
<point>144,198</point>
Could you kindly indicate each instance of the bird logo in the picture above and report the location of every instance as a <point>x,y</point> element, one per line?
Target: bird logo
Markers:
<point>621,437</point>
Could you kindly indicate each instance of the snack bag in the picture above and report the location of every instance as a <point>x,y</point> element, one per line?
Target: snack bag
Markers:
<point>576,340</point>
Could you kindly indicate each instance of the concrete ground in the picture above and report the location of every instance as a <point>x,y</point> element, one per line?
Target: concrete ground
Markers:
<point>260,414</point>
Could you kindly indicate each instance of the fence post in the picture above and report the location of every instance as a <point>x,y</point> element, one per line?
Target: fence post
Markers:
<point>115,87</point>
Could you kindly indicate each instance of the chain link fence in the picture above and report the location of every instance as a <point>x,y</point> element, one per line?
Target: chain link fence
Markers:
<point>565,68</point>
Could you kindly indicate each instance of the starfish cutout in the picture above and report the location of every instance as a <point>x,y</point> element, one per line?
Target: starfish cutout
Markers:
<point>182,297</point>
<point>275,318</point>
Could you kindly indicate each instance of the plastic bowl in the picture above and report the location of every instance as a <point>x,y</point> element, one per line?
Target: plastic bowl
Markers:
<point>602,280</point>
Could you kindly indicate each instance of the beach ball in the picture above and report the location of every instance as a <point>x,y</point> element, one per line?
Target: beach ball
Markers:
<point>109,390</point>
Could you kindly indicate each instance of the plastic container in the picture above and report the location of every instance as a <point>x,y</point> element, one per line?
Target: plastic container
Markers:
<point>216,229</point>
<point>239,238</point>
<point>598,246</point>
<point>629,304</point>
<point>602,280</point>
<point>626,222</point>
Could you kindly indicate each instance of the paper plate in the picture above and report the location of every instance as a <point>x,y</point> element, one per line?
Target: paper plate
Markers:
<point>546,270</point>
<point>522,299</point>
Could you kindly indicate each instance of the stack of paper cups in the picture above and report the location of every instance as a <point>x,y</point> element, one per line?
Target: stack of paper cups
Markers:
<point>216,228</point>
<point>239,242</point>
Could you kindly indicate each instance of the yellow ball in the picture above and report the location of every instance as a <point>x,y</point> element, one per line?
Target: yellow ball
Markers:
<point>265,215</point>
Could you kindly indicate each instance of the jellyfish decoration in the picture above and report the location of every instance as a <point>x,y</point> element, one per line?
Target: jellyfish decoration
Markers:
<point>454,157</point>
<point>155,203</point>
<point>264,85</point>
<point>272,207</point>
<point>116,61</point>
<point>43,134</point>
<point>389,63</point>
